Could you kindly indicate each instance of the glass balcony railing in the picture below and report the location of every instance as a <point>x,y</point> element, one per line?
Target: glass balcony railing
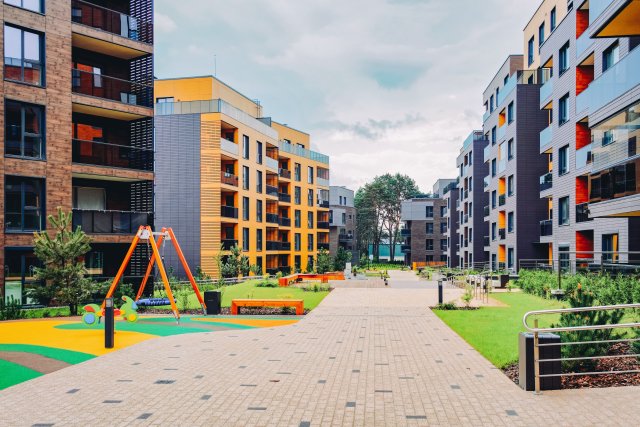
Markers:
<point>582,212</point>
<point>322,182</point>
<point>112,155</point>
<point>486,211</point>
<point>227,244</point>
<point>272,218</point>
<point>229,147</point>
<point>546,181</point>
<point>506,90</point>
<point>111,88</point>
<point>596,7</point>
<point>111,21</point>
<point>324,225</point>
<point>583,43</point>
<point>284,197</point>
<point>285,246</point>
<point>273,245</point>
<point>546,137</point>
<point>485,116</point>
<point>284,173</point>
<point>502,233</point>
<point>110,222</point>
<point>229,211</point>
<point>546,227</point>
<point>486,241</point>
<point>487,153</point>
<point>271,163</point>
<point>284,221</point>
<point>271,190</point>
<point>303,152</point>
<point>323,245</point>
<point>502,165</point>
<point>486,181</point>
<point>405,232</point>
<point>546,90</point>
<point>502,130</point>
<point>583,156</point>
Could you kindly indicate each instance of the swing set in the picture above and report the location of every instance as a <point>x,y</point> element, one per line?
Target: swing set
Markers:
<point>146,234</point>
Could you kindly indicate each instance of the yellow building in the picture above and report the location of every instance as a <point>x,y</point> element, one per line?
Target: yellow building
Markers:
<point>226,175</point>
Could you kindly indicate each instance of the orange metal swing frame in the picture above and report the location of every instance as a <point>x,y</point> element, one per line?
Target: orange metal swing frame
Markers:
<point>145,233</point>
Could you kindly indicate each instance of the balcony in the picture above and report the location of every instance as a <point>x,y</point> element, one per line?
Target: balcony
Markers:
<point>546,90</point>
<point>546,227</point>
<point>486,241</point>
<point>502,233</point>
<point>596,7</point>
<point>506,90</point>
<point>229,179</point>
<point>487,153</point>
<point>582,212</point>
<point>284,197</point>
<point>345,237</point>
<point>285,246</point>
<point>583,157</point>
<point>324,225</point>
<point>502,199</point>
<point>486,181</point>
<point>405,232</point>
<point>583,43</point>
<point>229,147</point>
<point>322,245</point>
<point>227,244</point>
<point>465,219</point>
<point>111,88</point>
<point>229,212</point>
<point>271,190</point>
<point>111,155</point>
<point>502,165</point>
<point>502,130</point>
<point>405,249</point>
<point>486,211</point>
<point>111,21</point>
<point>322,182</point>
<point>485,116</point>
<point>465,243</point>
<point>273,245</point>
<point>465,194</point>
<point>271,163</point>
<point>273,218</point>
<point>110,222</point>
<point>323,203</point>
<point>546,136</point>
<point>284,173</point>
<point>284,221</point>
<point>546,181</point>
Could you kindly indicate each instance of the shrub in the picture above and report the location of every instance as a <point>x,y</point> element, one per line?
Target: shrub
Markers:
<point>467,296</point>
<point>11,310</point>
<point>446,306</point>
<point>266,282</point>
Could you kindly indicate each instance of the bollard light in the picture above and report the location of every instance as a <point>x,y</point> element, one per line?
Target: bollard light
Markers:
<point>108,323</point>
<point>440,296</point>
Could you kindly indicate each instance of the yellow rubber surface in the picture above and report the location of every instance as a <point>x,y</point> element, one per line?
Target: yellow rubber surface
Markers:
<point>257,323</point>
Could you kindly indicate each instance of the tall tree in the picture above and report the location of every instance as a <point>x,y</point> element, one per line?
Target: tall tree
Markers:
<point>396,189</point>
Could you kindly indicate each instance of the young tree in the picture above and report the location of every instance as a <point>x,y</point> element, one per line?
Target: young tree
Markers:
<point>63,261</point>
<point>341,259</point>
<point>235,264</point>
<point>323,261</point>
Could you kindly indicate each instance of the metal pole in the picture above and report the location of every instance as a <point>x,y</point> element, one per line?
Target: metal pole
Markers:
<point>536,357</point>
<point>559,270</point>
<point>108,323</point>
<point>440,296</point>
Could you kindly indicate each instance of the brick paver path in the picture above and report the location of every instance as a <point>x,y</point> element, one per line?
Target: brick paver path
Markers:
<point>374,356</point>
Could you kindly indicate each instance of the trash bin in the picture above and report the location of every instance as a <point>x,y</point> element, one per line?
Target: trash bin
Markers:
<point>213,300</point>
<point>526,376</point>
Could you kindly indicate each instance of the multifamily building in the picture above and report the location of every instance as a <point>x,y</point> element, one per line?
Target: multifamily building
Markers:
<point>226,176</point>
<point>77,103</point>
<point>451,217</point>
<point>342,221</point>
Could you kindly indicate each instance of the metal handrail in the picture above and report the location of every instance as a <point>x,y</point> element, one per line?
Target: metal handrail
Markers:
<point>536,339</point>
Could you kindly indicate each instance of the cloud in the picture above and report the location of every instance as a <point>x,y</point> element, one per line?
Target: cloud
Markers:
<point>163,23</point>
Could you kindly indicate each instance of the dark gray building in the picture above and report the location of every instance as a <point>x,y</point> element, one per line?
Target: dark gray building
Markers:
<point>342,221</point>
<point>425,224</point>
<point>450,197</point>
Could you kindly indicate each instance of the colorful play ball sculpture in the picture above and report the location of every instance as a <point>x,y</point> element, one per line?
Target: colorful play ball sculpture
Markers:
<point>93,312</point>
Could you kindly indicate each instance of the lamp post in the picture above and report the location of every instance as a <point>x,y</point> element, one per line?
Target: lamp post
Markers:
<point>440,296</point>
<point>108,323</point>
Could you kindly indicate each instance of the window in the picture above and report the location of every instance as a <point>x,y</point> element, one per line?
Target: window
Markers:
<point>429,258</point>
<point>510,223</point>
<point>470,158</point>
<point>24,130</point>
<point>297,242</point>
<point>494,167</point>
<point>24,203</point>
<point>165,100</point>
<point>494,227</point>
<point>552,19</point>
<point>443,244</point>
<point>509,257</point>
<point>443,227</point>
<point>259,152</point>
<point>259,181</point>
<point>429,228</point>
<point>530,52</point>
<point>259,262</point>
<point>563,160</point>
<point>470,184</point>
<point>491,104</point>
<point>429,211</point>
<point>33,5</point>
<point>563,57</point>
<point>443,211</point>
<point>259,239</point>
<point>541,34</point>
<point>470,209</point>
<point>510,115</point>
<point>296,172</point>
<point>563,208</point>
<point>309,219</point>
<point>510,146</point>
<point>259,210</point>
<point>18,267</point>
<point>632,147</point>
<point>563,110</point>
<point>429,244</point>
<point>610,56</point>
<point>23,56</point>
<point>245,177</point>
<point>344,217</point>
<point>245,239</point>
<point>297,218</point>
<point>310,246</point>
<point>245,208</point>
<point>607,137</point>
<point>310,174</point>
<point>310,197</point>
<point>297,195</point>
<point>493,135</point>
<point>494,198</point>
<point>245,147</point>
<point>510,188</point>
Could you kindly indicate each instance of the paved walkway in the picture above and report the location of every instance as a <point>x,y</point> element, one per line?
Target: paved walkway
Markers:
<point>374,356</point>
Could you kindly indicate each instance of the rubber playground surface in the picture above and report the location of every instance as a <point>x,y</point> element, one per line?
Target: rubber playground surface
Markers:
<point>31,348</point>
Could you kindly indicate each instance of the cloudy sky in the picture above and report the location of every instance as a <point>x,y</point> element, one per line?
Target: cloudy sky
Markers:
<point>381,85</point>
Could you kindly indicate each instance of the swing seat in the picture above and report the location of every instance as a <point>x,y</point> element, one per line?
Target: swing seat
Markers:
<point>153,302</point>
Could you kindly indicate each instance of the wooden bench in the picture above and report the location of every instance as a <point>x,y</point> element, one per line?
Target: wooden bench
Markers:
<point>297,303</point>
<point>299,277</point>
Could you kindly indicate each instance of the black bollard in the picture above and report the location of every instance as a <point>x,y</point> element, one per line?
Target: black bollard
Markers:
<point>440,296</point>
<point>108,323</point>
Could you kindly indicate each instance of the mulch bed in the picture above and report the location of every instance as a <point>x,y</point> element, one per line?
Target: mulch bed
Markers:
<point>604,365</point>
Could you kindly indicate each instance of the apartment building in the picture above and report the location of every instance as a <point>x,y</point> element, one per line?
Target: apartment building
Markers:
<point>472,204</point>
<point>593,99</point>
<point>512,124</point>
<point>342,220</point>
<point>226,175</point>
<point>77,100</point>
<point>451,217</point>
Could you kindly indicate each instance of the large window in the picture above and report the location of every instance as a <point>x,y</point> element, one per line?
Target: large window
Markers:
<point>563,211</point>
<point>34,5</point>
<point>245,239</point>
<point>563,57</point>
<point>19,275</point>
<point>24,130</point>
<point>259,152</point>
<point>530,50</point>
<point>296,242</point>
<point>541,34</point>
<point>259,181</point>
<point>563,110</point>
<point>494,228</point>
<point>310,245</point>
<point>310,174</point>
<point>429,228</point>
<point>510,147</point>
<point>259,210</point>
<point>429,244</point>
<point>24,203</point>
<point>245,208</point>
<point>297,219</point>
<point>309,197</point>
<point>245,147</point>
<point>610,56</point>
<point>494,135</point>
<point>552,19</point>
<point>245,177</point>
<point>310,219</point>
<point>510,222</point>
<point>494,198</point>
<point>297,197</point>
<point>259,239</point>
<point>510,258</point>
<point>563,162</point>
<point>510,187</point>
<point>428,211</point>
<point>510,113</point>
<point>23,56</point>
<point>297,172</point>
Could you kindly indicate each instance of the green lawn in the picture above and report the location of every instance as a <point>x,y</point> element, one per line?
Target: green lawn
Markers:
<point>249,289</point>
<point>493,331</point>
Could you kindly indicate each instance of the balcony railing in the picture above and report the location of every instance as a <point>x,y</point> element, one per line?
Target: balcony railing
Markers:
<point>271,190</point>
<point>405,248</point>
<point>271,163</point>
<point>285,246</point>
<point>465,219</point>
<point>485,116</point>
<point>111,88</point>
<point>322,245</point>
<point>583,156</point>
<point>486,211</point>
<point>284,173</point>
<point>546,227</point>
<point>486,181</point>
<point>546,136</point>
<point>110,222</point>
<point>502,200</point>
<point>273,218</point>
<point>582,212</point>
<point>322,182</point>
<point>112,155</point>
<point>284,197</point>
<point>284,221</point>
<point>111,21</point>
<point>546,181</point>
<point>323,203</point>
<point>466,243</point>
<point>229,179</point>
<point>405,232</point>
<point>546,90</point>
<point>502,130</point>
<point>229,211</point>
<point>273,245</point>
<point>465,194</point>
<point>229,147</point>
<point>323,225</point>
<point>345,237</point>
<point>502,233</point>
<point>227,244</point>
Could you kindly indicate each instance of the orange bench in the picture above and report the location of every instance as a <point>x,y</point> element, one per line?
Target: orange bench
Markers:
<point>299,277</point>
<point>297,303</point>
